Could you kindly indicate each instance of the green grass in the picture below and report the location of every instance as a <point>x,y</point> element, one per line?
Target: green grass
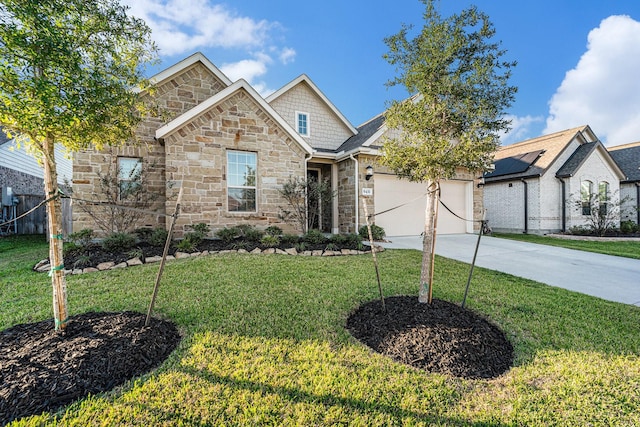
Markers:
<point>628,249</point>
<point>265,345</point>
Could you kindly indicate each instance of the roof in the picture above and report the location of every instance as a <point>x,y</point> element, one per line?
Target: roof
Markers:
<point>628,158</point>
<point>304,78</point>
<point>517,164</point>
<point>576,160</point>
<point>368,133</point>
<point>533,157</point>
<point>186,63</point>
<point>3,137</point>
<point>241,84</point>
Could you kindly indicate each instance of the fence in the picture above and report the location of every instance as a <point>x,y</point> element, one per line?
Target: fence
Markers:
<point>36,222</point>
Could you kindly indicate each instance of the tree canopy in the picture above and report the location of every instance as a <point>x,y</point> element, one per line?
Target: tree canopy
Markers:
<point>70,73</point>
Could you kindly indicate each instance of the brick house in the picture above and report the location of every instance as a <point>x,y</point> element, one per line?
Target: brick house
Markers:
<point>537,184</point>
<point>628,158</point>
<point>231,150</point>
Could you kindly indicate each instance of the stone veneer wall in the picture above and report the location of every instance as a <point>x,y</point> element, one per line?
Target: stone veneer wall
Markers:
<point>20,182</point>
<point>196,158</point>
<point>174,96</point>
<point>346,196</point>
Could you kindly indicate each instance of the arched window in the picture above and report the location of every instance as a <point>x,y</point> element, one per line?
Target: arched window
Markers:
<point>586,191</point>
<point>603,197</point>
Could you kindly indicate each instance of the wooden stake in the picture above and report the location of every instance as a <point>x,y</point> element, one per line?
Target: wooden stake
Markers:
<point>373,252</point>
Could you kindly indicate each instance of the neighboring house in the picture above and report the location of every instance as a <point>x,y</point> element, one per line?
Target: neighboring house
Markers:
<point>231,151</point>
<point>22,173</point>
<point>538,185</point>
<point>628,158</point>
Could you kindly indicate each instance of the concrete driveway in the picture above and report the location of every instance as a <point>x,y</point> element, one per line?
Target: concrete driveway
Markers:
<point>608,277</point>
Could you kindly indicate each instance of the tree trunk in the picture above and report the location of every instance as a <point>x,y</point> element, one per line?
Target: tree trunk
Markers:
<point>429,243</point>
<point>54,222</point>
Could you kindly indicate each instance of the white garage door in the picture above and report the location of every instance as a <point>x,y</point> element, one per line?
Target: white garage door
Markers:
<point>408,220</point>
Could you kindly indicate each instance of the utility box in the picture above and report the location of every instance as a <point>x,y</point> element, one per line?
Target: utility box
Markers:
<point>7,196</point>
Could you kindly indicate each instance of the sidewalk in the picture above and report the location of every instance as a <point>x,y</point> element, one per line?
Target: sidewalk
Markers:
<point>604,276</point>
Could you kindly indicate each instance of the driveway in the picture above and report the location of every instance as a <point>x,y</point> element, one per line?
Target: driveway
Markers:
<point>604,276</point>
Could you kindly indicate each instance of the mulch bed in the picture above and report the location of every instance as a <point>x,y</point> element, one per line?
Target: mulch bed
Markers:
<point>441,337</point>
<point>43,370</point>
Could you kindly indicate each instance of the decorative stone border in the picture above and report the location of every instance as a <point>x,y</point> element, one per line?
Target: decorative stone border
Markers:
<point>44,266</point>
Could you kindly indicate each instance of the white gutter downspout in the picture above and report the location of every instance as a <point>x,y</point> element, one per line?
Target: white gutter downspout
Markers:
<point>356,199</point>
<point>306,196</point>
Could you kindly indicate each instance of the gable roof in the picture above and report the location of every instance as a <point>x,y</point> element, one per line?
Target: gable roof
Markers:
<point>241,84</point>
<point>368,133</point>
<point>186,63</point>
<point>540,153</point>
<point>303,78</point>
<point>627,156</point>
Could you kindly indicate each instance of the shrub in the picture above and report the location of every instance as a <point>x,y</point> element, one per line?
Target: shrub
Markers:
<point>628,227</point>
<point>353,241</point>
<point>228,234</point>
<point>135,253</point>
<point>186,245</point>
<point>270,241</point>
<point>580,230</point>
<point>253,235</point>
<point>331,247</point>
<point>300,247</point>
<point>201,229</point>
<point>70,248</point>
<point>143,233</point>
<point>377,232</point>
<point>82,237</point>
<point>118,242</point>
<point>314,237</point>
<point>273,230</point>
<point>289,239</point>
<point>158,237</point>
<point>245,228</point>
<point>83,261</point>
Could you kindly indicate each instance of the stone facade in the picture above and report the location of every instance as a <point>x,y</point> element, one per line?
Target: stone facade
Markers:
<point>21,183</point>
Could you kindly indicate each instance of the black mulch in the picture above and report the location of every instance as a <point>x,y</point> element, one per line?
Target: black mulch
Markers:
<point>43,370</point>
<point>441,337</point>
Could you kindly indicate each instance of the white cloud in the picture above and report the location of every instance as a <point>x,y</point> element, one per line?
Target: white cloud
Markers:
<point>521,128</point>
<point>183,26</point>
<point>287,55</point>
<point>603,90</point>
<point>250,70</point>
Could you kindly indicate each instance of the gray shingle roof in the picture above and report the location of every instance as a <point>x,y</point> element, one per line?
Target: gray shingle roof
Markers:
<point>520,164</point>
<point>629,161</point>
<point>3,138</point>
<point>365,132</point>
<point>574,162</point>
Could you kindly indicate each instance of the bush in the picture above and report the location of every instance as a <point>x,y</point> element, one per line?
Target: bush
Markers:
<point>82,237</point>
<point>628,227</point>
<point>580,230</point>
<point>253,235</point>
<point>377,232</point>
<point>201,228</point>
<point>314,237</point>
<point>118,242</point>
<point>158,237</point>
<point>270,241</point>
<point>289,239</point>
<point>186,245</point>
<point>228,234</point>
<point>273,230</point>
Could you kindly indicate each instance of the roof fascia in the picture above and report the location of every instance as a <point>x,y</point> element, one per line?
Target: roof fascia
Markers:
<point>343,155</point>
<point>612,163</point>
<point>304,78</point>
<point>181,120</point>
<point>186,63</point>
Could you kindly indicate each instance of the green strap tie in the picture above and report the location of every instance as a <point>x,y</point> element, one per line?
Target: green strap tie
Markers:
<point>59,323</point>
<point>57,236</point>
<point>57,268</point>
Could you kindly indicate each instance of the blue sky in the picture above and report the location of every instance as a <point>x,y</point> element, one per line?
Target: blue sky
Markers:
<point>578,60</point>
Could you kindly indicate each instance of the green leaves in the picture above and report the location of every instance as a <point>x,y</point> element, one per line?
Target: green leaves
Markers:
<point>460,88</point>
<point>67,69</point>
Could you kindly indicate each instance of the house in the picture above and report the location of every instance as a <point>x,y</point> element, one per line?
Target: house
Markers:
<point>231,150</point>
<point>22,177</point>
<point>627,156</point>
<point>538,185</point>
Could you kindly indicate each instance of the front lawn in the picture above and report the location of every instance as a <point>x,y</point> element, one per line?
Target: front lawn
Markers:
<point>265,344</point>
<point>628,249</point>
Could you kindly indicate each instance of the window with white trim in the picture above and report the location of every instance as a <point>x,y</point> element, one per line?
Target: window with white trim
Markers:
<point>129,174</point>
<point>603,197</point>
<point>302,123</point>
<point>241,181</point>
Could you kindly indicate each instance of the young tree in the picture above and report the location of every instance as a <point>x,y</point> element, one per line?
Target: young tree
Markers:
<point>602,210</point>
<point>459,87</point>
<point>305,198</point>
<point>68,70</point>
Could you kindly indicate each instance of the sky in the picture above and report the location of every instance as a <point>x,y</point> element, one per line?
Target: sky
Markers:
<point>578,60</point>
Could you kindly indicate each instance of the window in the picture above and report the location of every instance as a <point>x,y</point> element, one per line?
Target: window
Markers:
<point>586,189</point>
<point>603,197</point>
<point>129,175</point>
<point>241,181</point>
<point>302,122</point>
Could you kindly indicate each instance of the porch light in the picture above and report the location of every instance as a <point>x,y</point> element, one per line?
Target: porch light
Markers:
<point>481,182</point>
<point>369,173</point>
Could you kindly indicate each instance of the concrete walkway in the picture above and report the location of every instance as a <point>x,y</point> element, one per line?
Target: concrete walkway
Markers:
<point>608,277</point>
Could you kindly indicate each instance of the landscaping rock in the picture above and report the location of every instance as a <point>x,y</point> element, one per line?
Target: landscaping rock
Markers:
<point>90,270</point>
<point>179,255</point>
<point>316,253</point>
<point>121,265</point>
<point>269,251</point>
<point>152,259</point>
<point>256,251</point>
<point>105,265</point>
<point>291,251</point>
<point>134,261</point>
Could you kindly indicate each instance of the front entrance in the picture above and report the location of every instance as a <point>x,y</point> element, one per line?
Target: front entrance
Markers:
<point>319,197</point>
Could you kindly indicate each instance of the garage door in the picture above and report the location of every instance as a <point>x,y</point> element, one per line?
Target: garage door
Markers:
<point>408,219</point>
